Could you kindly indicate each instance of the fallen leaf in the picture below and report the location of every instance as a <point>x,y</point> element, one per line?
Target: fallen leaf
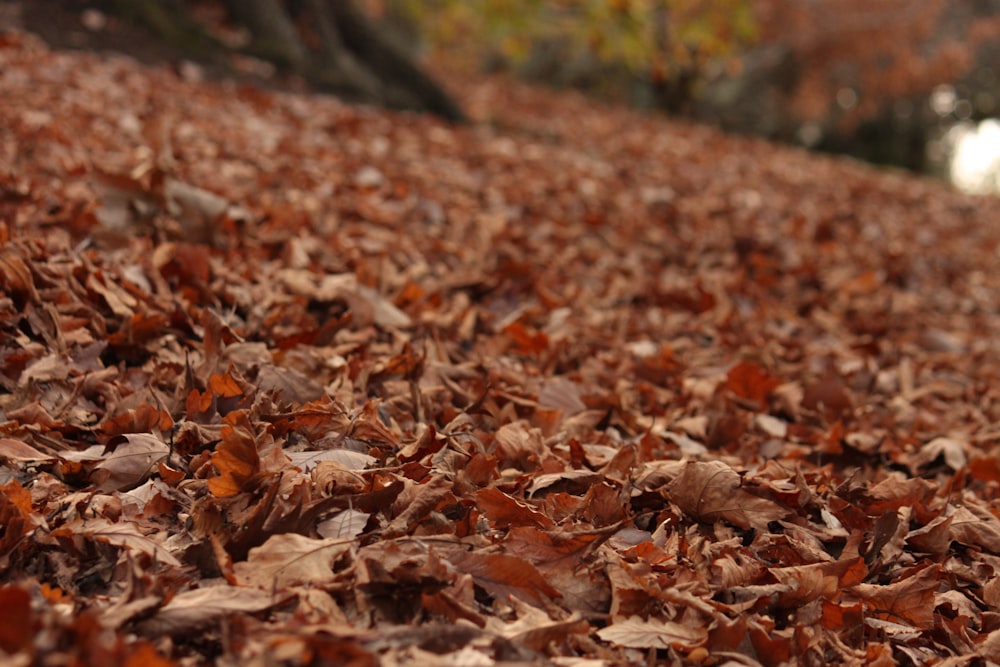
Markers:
<point>534,628</point>
<point>504,511</point>
<point>634,632</point>
<point>350,460</point>
<point>910,599</point>
<point>15,450</point>
<point>712,491</point>
<point>953,451</point>
<point>345,525</point>
<point>235,459</point>
<point>422,502</point>
<point>979,528</point>
<point>123,535</point>
<point>17,623</point>
<point>502,576</point>
<point>818,581</point>
<point>562,394</point>
<point>132,458</point>
<point>748,380</point>
<point>290,559</point>
<point>191,610</point>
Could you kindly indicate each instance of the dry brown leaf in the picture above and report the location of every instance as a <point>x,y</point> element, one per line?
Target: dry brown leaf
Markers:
<point>15,450</point>
<point>345,525</point>
<point>49,368</point>
<point>290,559</point>
<point>123,535</point>
<point>975,526</point>
<point>132,458</point>
<point>562,394</point>
<point>502,576</point>
<point>896,491</point>
<point>934,538</point>
<point>119,300</point>
<point>635,632</point>
<point>819,581</point>
<point>572,481</point>
<point>288,384</point>
<point>953,451</point>
<point>350,460</point>
<point>424,499</point>
<point>534,628</point>
<point>748,380</point>
<point>504,511</point>
<point>911,598</point>
<point>143,419</point>
<point>989,647</point>
<point>712,491</point>
<point>190,610</point>
<point>564,559</point>
<point>520,446</point>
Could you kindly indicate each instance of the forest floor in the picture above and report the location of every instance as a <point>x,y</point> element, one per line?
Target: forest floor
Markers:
<point>285,381</point>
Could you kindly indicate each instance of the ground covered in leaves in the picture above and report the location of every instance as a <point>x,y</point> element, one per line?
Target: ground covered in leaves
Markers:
<point>284,381</point>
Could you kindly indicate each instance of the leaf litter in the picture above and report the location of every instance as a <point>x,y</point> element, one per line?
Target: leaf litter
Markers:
<point>285,380</point>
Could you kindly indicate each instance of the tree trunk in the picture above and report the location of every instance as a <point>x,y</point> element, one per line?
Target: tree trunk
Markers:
<point>337,67</point>
<point>170,20</point>
<point>388,62</point>
<point>274,35</point>
<point>348,53</point>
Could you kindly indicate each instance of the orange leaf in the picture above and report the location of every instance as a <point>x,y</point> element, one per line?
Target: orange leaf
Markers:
<point>236,458</point>
<point>145,655</point>
<point>224,385</point>
<point>197,403</point>
<point>527,340</point>
<point>504,511</point>
<point>16,516</point>
<point>142,419</point>
<point>748,380</point>
<point>16,623</point>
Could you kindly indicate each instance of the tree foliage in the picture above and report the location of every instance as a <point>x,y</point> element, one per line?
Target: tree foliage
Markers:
<point>879,51</point>
<point>658,39</point>
<point>835,64</point>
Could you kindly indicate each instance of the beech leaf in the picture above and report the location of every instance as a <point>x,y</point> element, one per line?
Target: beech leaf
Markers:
<point>634,632</point>
<point>191,610</point>
<point>712,491</point>
<point>290,559</point>
<point>120,535</point>
<point>15,450</point>
<point>502,575</point>
<point>236,458</point>
<point>132,459</point>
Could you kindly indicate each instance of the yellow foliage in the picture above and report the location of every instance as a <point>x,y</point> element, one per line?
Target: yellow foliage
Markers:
<point>657,38</point>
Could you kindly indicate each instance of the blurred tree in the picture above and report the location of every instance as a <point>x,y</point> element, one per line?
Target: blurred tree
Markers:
<point>856,76</point>
<point>661,47</point>
<point>845,75</point>
<point>848,75</point>
<point>334,44</point>
<point>853,57</point>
